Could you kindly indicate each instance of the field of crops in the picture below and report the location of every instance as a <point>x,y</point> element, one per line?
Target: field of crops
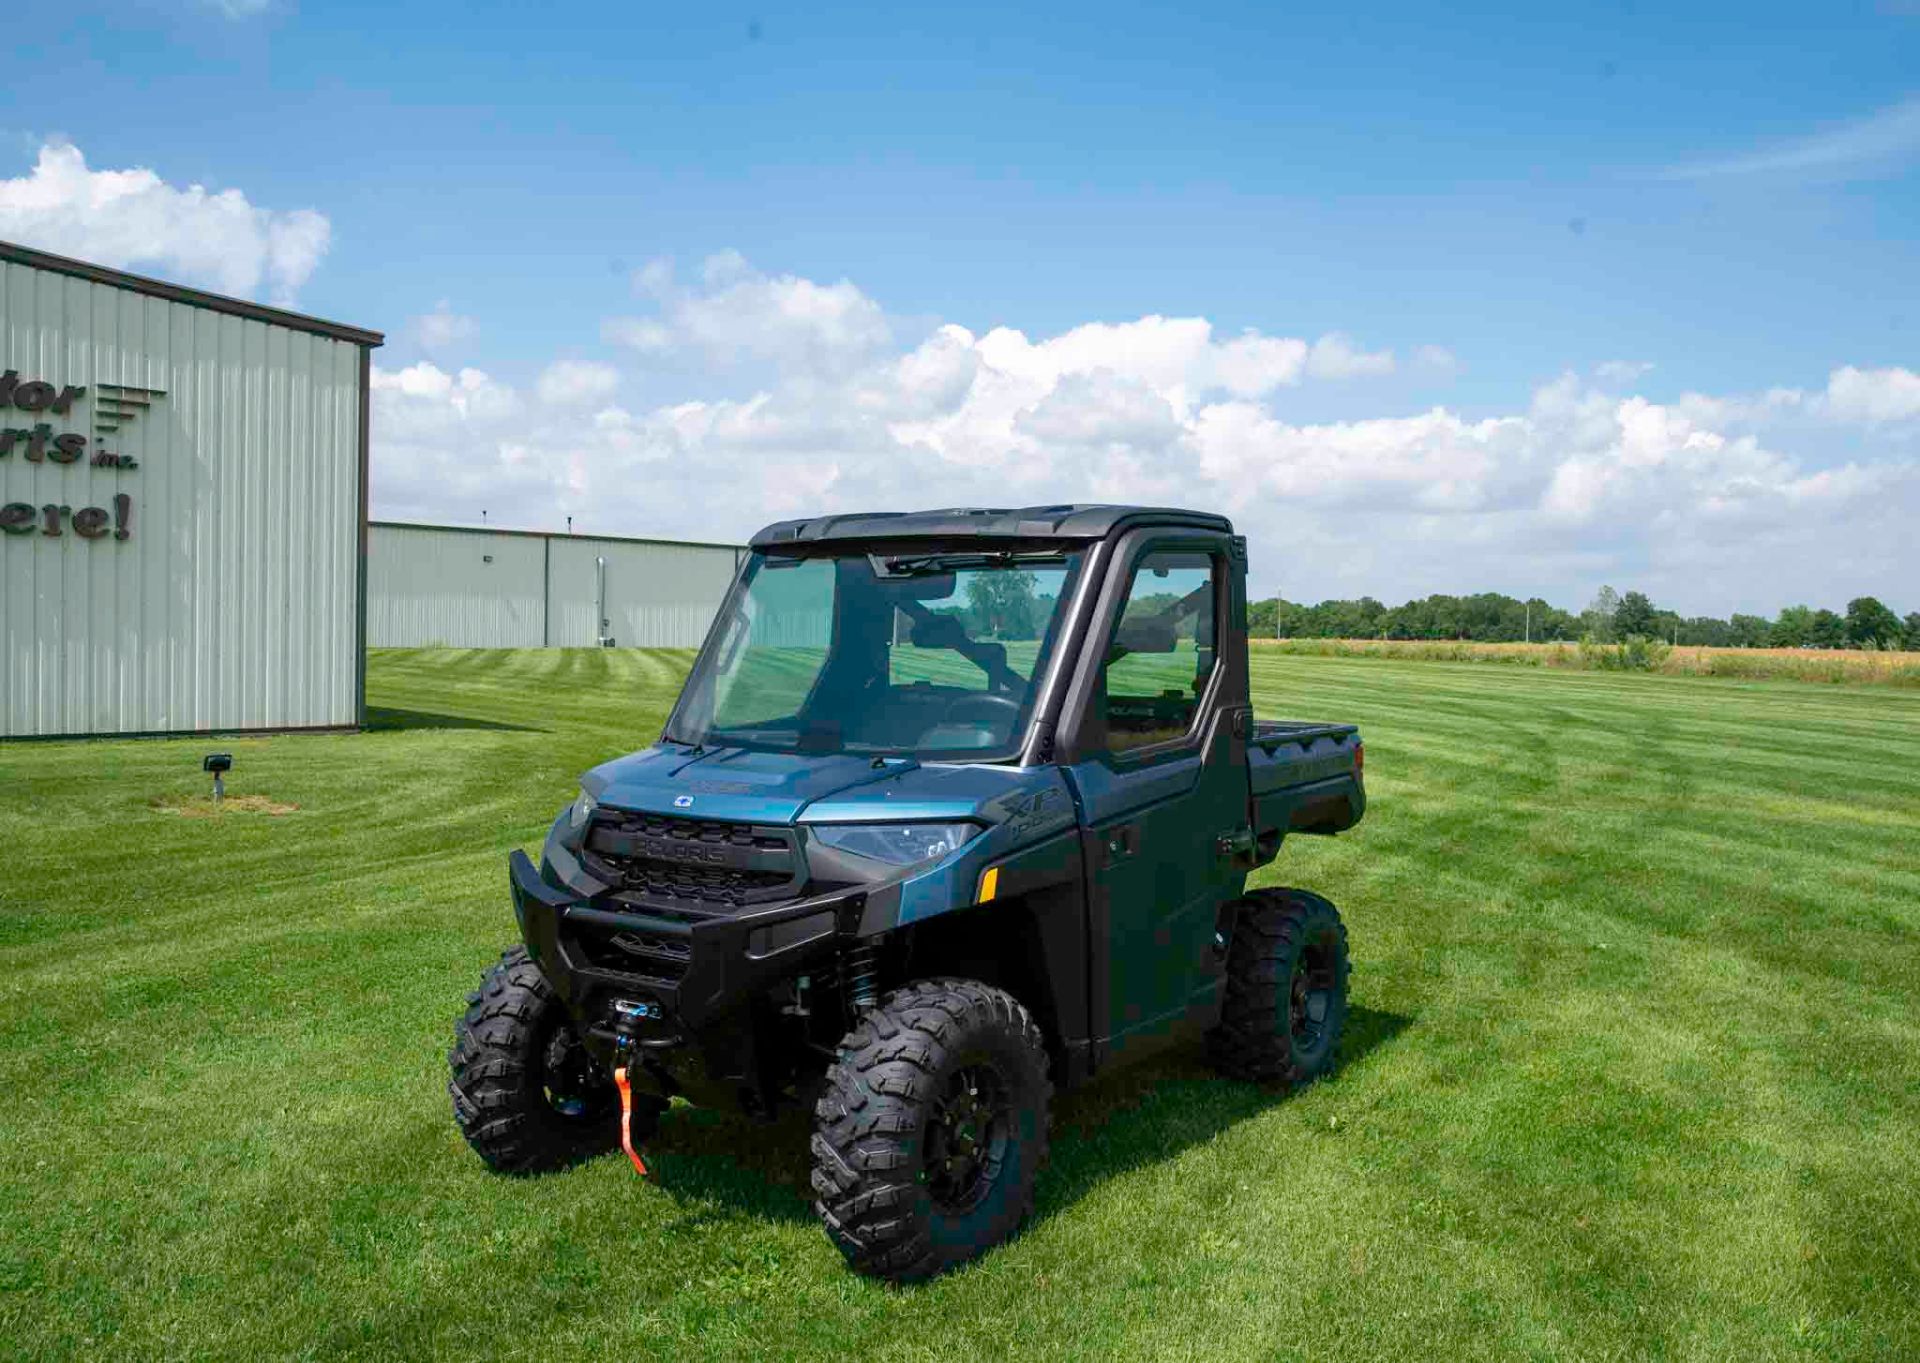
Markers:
<point>1631,1072</point>
<point>1757,664</point>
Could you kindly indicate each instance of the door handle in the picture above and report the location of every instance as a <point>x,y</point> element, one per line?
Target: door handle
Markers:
<point>1120,843</point>
<point>1235,842</point>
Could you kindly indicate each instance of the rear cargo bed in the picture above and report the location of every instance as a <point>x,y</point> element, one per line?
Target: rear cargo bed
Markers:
<point>1303,778</point>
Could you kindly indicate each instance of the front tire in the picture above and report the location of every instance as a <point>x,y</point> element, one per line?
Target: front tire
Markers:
<point>1286,989</point>
<point>526,1095</point>
<point>931,1129</point>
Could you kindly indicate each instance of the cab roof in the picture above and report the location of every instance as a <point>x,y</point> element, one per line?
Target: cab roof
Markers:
<point>1078,521</point>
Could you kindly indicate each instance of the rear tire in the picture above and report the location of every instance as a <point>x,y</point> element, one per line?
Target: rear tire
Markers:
<point>931,1129</point>
<point>1286,989</point>
<point>526,1095</point>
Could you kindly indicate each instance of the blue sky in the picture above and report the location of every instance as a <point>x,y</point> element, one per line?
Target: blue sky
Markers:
<point>1724,199</point>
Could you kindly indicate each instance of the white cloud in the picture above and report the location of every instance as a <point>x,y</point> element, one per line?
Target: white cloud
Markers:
<point>1697,500</point>
<point>740,313</point>
<point>1873,396</point>
<point>241,9</point>
<point>442,328</point>
<point>1622,371</point>
<point>1748,411</point>
<point>1175,355</point>
<point>434,394</point>
<point>134,218</point>
<point>1876,144</point>
<point>1334,356</point>
<point>1252,364</point>
<point>1101,408</point>
<point>575,383</point>
<point>1436,361</point>
<point>1436,461</point>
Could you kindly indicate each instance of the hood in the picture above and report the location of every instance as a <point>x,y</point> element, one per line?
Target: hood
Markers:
<point>779,788</point>
<point>730,783</point>
<point>915,793</point>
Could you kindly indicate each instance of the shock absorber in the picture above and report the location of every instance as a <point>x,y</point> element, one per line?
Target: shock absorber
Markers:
<point>860,976</point>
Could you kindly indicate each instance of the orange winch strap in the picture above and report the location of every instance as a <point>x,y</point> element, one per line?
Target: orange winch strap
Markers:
<point>626,1119</point>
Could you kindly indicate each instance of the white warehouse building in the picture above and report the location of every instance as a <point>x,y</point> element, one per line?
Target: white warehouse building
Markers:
<point>463,587</point>
<point>183,484</point>
<point>184,538</point>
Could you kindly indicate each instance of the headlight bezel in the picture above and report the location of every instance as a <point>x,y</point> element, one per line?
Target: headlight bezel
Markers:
<point>580,812</point>
<point>901,843</point>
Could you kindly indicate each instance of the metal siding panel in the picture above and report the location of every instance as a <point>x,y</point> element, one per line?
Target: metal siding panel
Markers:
<point>658,595</point>
<point>142,595</point>
<point>17,665</point>
<point>294,420</point>
<point>14,668</point>
<point>341,586</point>
<point>232,604</point>
<point>273,691</point>
<point>429,588</point>
<point>90,323</point>
<point>224,417</point>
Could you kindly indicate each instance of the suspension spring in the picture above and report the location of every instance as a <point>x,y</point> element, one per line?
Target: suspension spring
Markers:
<point>860,976</point>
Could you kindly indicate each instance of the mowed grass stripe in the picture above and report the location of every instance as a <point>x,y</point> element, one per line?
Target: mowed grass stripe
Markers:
<point>1631,1072</point>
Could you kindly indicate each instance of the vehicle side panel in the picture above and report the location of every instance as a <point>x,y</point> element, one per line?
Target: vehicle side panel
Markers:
<point>1154,819</point>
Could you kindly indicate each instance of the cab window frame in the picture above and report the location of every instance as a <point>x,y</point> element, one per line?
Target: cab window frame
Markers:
<point>1087,737</point>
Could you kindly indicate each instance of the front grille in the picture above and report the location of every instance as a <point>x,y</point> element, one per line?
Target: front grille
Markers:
<point>696,861</point>
<point>637,953</point>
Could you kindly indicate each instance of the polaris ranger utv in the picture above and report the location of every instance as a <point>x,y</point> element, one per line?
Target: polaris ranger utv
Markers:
<point>956,807</point>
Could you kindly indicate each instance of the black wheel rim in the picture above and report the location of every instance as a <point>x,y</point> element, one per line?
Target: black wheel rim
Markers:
<point>574,1087</point>
<point>968,1138</point>
<point>1310,997</point>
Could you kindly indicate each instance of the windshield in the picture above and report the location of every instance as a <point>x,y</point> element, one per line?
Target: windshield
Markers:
<point>930,655</point>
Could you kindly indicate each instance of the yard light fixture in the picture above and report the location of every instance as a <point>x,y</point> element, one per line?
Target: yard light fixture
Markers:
<point>219,763</point>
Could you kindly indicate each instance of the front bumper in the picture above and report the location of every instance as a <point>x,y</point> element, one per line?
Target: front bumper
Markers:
<point>723,960</point>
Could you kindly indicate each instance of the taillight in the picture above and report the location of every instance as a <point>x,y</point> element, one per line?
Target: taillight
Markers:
<point>1359,759</point>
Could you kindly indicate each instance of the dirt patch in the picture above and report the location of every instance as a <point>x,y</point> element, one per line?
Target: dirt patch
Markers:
<point>203,806</point>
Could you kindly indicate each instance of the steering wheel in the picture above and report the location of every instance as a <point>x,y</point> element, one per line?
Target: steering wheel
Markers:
<point>989,708</point>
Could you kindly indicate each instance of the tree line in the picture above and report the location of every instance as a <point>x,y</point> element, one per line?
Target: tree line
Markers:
<point>1612,617</point>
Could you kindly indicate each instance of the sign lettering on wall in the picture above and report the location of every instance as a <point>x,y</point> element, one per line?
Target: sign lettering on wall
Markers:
<point>29,409</point>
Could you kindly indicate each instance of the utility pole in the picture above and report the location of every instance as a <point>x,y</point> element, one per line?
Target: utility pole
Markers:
<point>1529,632</point>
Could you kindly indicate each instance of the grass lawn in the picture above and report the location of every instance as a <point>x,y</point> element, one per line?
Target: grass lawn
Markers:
<point>1634,1072</point>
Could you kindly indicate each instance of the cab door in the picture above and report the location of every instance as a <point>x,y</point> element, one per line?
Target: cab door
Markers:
<point>1155,746</point>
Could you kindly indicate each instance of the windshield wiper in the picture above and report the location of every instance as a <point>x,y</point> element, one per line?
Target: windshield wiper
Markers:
<point>922,565</point>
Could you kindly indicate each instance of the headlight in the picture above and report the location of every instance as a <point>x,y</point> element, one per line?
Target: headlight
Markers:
<point>897,844</point>
<point>581,811</point>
